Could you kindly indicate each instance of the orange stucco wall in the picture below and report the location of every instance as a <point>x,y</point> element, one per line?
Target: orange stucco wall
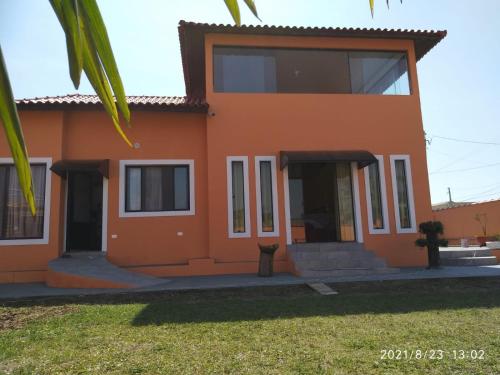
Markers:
<point>242,125</point>
<point>264,124</point>
<point>459,222</point>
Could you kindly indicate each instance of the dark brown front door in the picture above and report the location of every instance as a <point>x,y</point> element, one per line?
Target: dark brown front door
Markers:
<point>84,211</point>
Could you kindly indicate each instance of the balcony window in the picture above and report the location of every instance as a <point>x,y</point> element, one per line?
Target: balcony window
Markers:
<point>286,70</point>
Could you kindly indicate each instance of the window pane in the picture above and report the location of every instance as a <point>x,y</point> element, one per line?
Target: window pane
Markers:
<point>403,203</point>
<point>153,189</point>
<point>375,196</point>
<point>284,70</point>
<point>17,221</point>
<point>181,188</point>
<point>238,197</point>
<point>345,202</point>
<point>312,71</point>
<point>157,188</point>
<point>266,196</point>
<point>379,73</point>
<point>244,70</point>
<point>133,189</point>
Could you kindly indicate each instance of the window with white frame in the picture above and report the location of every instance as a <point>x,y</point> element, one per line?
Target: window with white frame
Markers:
<point>17,224</point>
<point>156,188</point>
<point>402,187</point>
<point>238,198</point>
<point>267,196</point>
<point>376,197</point>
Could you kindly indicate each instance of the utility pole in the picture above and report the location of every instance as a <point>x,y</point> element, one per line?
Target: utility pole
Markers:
<point>449,196</point>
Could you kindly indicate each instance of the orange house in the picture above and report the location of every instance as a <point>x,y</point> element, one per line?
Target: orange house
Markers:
<point>307,137</point>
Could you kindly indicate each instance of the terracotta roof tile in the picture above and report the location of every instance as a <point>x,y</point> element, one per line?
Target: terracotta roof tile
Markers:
<point>162,103</point>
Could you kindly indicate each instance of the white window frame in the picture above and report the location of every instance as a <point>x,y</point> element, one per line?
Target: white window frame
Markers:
<point>274,188</point>
<point>248,230</point>
<point>46,215</point>
<point>409,184</point>
<point>383,195</point>
<point>148,162</point>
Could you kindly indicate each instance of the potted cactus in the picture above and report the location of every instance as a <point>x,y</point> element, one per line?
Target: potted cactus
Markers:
<point>432,230</point>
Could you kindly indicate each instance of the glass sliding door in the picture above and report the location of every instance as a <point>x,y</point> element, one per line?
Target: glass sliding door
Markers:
<point>321,202</point>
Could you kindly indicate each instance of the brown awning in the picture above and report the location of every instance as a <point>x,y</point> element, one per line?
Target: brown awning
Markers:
<point>62,167</point>
<point>363,158</point>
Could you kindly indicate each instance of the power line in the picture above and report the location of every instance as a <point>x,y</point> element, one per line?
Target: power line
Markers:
<point>481,196</point>
<point>490,191</point>
<point>466,169</point>
<point>464,140</point>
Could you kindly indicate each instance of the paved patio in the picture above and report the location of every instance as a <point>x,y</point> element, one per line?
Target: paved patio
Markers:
<point>37,290</point>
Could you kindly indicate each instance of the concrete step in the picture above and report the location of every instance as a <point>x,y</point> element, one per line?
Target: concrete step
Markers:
<point>93,270</point>
<point>336,259</point>
<point>470,261</point>
<point>326,246</point>
<point>448,253</point>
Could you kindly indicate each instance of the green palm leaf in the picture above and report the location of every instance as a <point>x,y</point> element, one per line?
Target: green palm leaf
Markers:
<point>251,5</point>
<point>234,9</point>
<point>14,134</point>
<point>89,49</point>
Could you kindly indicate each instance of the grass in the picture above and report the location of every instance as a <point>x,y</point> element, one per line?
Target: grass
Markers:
<point>274,330</point>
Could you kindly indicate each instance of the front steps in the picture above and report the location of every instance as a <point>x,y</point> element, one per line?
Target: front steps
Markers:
<point>92,270</point>
<point>467,256</point>
<point>336,259</point>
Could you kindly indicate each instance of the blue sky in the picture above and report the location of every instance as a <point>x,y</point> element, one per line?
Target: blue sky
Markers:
<point>459,79</point>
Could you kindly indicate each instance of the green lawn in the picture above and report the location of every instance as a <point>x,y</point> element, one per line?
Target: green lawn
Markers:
<point>259,331</point>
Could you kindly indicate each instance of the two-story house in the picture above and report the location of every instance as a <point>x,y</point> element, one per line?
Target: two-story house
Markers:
<point>307,137</point>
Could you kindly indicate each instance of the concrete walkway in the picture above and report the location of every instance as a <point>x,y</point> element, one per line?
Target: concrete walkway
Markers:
<point>36,290</point>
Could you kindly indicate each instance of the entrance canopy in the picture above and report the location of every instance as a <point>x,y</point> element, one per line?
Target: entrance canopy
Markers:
<point>62,167</point>
<point>363,158</point>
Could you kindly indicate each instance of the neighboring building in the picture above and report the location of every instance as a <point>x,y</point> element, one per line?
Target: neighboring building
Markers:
<point>470,220</point>
<point>449,204</point>
<point>310,135</point>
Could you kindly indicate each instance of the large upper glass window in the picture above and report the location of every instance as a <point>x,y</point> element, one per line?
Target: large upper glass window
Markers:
<point>285,70</point>
<point>16,220</point>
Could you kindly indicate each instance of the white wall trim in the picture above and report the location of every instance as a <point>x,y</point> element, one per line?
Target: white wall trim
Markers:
<point>383,193</point>
<point>409,184</point>
<point>248,231</point>
<point>357,206</point>
<point>276,231</point>
<point>46,215</point>
<point>286,196</point>
<point>146,162</point>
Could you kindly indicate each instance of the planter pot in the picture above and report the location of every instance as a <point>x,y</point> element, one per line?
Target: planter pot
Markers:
<point>266,259</point>
<point>493,244</point>
<point>482,239</point>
